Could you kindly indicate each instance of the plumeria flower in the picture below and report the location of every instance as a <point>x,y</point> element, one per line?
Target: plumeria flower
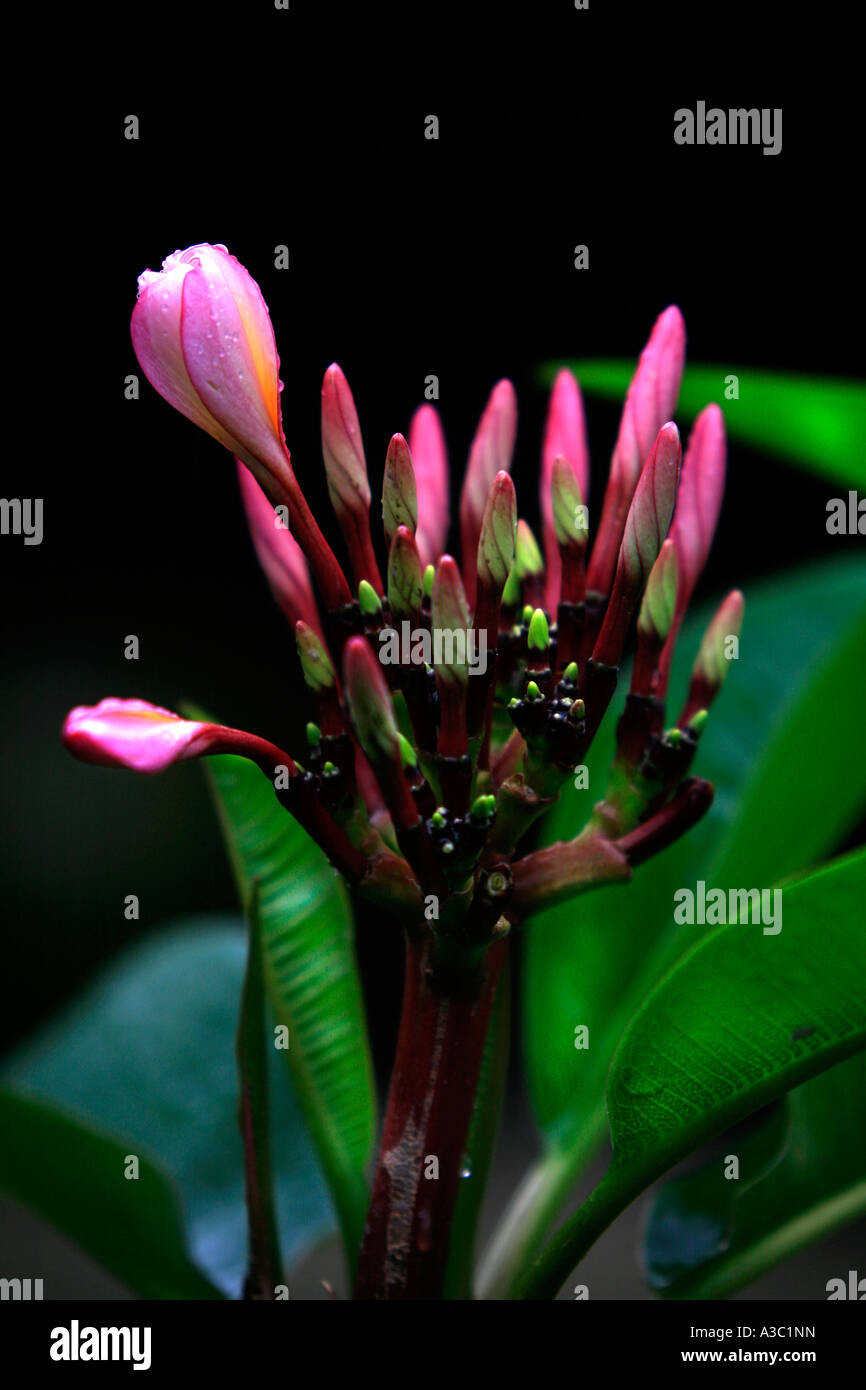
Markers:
<point>555,616</point>
<point>421,775</point>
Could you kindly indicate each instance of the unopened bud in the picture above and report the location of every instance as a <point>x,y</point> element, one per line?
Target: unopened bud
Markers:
<point>399,494</point>
<point>316,665</point>
<point>369,600</point>
<point>539,632</point>
<point>660,597</point>
<point>528,561</point>
<point>496,543</point>
<point>404,575</point>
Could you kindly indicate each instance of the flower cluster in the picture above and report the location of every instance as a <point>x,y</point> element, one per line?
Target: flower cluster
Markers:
<point>420,779</point>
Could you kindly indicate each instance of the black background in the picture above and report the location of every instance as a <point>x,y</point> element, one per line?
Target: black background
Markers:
<point>407,257</point>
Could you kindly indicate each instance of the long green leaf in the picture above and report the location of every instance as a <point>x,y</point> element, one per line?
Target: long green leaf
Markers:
<point>741,1019</point>
<point>311,977</point>
<point>814,422</point>
<point>708,1236</point>
<point>76,1179</point>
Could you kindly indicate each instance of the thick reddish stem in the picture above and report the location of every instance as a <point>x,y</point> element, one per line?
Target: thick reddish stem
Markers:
<point>439,1051</point>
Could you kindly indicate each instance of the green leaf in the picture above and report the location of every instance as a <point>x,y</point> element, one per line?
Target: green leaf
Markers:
<point>740,1020</point>
<point>592,961</point>
<point>73,1177</point>
<point>147,1056</point>
<point>708,1237</point>
<point>812,421</point>
<point>311,978</point>
<point>265,1264</point>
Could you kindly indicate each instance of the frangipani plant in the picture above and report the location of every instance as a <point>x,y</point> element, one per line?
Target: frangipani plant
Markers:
<point>452,706</point>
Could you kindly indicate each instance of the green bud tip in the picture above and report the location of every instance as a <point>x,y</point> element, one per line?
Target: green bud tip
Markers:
<point>533,692</point>
<point>369,600</point>
<point>438,820</point>
<point>577,712</point>
<point>328,768</point>
<point>698,722</point>
<point>314,735</point>
<point>527,614</point>
<point>407,752</point>
<point>429,576</point>
<point>539,632</point>
<point>673,737</point>
<point>514,702</point>
<point>483,807</point>
<point>571,673</point>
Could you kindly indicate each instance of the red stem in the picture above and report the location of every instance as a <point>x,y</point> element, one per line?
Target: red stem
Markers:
<point>443,1028</point>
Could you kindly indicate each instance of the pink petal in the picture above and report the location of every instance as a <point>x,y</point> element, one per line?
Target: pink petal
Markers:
<point>155,329</point>
<point>342,446</point>
<point>430,461</point>
<point>132,734</point>
<point>279,554</point>
<point>700,496</point>
<point>231,356</point>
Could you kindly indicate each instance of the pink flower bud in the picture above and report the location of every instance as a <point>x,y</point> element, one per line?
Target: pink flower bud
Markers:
<point>564,437</point>
<point>491,453</point>
<point>145,738</point>
<point>449,612</point>
<point>430,462</point>
<point>346,468</point>
<point>650,401</point>
<point>645,530</point>
<point>699,502</point>
<point>203,336</point>
<point>202,333</point>
<point>279,554</point>
<point>496,543</point>
<point>399,492</point>
<point>714,656</point>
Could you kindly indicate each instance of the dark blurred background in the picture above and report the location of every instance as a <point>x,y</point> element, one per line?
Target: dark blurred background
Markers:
<point>407,257</point>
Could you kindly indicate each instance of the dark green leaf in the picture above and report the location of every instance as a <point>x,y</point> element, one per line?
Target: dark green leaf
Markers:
<point>147,1055</point>
<point>73,1177</point>
<point>707,1237</point>
<point>591,962</point>
<point>740,1020</point>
